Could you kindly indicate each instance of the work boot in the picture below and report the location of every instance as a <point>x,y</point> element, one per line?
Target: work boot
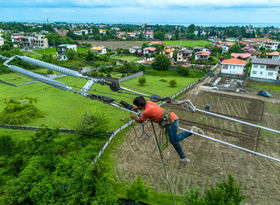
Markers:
<point>183,163</point>
<point>197,130</point>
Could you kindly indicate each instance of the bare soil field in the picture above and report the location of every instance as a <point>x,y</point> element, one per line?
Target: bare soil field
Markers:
<point>211,162</point>
<point>115,44</point>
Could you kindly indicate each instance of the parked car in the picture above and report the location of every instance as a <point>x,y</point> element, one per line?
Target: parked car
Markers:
<point>264,93</point>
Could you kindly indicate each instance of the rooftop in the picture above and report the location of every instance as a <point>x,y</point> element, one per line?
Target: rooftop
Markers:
<point>265,61</point>
<point>234,61</point>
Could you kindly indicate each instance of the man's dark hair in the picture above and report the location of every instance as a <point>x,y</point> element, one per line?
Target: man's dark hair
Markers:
<point>139,101</point>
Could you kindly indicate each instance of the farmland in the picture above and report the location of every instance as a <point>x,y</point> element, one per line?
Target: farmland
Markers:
<point>258,177</point>
<point>127,44</point>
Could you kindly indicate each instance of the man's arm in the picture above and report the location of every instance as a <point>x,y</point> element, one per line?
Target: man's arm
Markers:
<point>135,118</point>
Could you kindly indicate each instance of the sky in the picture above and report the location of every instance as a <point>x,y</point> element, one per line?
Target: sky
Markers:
<point>212,12</point>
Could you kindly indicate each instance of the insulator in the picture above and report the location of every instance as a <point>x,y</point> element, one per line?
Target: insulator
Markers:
<point>40,78</point>
<point>51,66</point>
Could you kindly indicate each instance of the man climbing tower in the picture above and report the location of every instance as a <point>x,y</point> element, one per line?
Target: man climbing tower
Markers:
<point>157,114</point>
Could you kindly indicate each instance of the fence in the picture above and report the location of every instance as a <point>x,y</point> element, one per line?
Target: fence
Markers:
<point>131,121</point>
<point>134,75</point>
<point>17,127</point>
<point>4,82</point>
<point>264,80</point>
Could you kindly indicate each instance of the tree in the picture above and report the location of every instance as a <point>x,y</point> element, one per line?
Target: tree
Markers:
<point>234,49</point>
<point>93,124</point>
<point>224,193</point>
<point>183,71</point>
<point>138,190</point>
<point>161,62</point>
<point>142,81</point>
<point>191,28</point>
<point>71,54</point>
<point>173,83</point>
<point>159,35</point>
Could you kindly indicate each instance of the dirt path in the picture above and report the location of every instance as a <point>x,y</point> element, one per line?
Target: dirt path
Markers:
<point>210,161</point>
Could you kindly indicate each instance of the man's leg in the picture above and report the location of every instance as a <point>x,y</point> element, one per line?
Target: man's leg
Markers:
<point>182,135</point>
<point>172,133</point>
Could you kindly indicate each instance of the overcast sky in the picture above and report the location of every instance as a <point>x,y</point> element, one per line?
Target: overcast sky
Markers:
<point>141,11</point>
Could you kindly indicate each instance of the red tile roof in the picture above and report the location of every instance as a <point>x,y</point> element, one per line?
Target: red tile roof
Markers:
<point>150,49</point>
<point>241,55</point>
<point>273,54</point>
<point>234,61</point>
<point>203,53</point>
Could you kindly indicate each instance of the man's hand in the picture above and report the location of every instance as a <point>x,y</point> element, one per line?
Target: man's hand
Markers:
<point>132,116</point>
<point>134,107</point>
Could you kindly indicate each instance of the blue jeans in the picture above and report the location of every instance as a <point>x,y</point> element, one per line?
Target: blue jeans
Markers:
<point>175,138</point>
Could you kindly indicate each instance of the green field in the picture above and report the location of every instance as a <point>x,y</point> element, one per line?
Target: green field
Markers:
<point>127,58</point>
<point>188,43</point>
<point>52,51</point>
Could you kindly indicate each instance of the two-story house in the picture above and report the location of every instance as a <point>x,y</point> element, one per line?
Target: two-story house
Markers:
<point>202,55</point>
<point>99,49</point>
<point>149,50</point>
<point>241,56</point>
<point>273,56</point>
<point>265,68</point>
<point>183,55</point>
<point>233,66</point>
<point>61,50</point>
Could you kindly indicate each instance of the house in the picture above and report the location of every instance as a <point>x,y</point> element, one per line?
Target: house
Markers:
<point>168,52</point>
<point>34,41</point>
<point>1,41</point>
<point>199,48</point>
<point>61,32</point>
<point>168,36</point>
<point>100,49</point>
<point>61,50</point>
<point>102,31</point>
<point>155,43</point>
<point>265,69</point>
<point>233,66</point>
<point>266,43</point>
<point>273,56</point>
<point>131,34</point>
<point>202,55</point>
<point>183,55</point>
<point>149,50</point>
<point>241,56</point>
<point>16,38</point>
<point>135,49</point>
<point>149,35</point>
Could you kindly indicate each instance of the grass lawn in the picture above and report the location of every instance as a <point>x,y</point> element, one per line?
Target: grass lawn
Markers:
<point>127,58</point>
<point>154,84</point>
<point>52,51</point>
<point>188,43</point>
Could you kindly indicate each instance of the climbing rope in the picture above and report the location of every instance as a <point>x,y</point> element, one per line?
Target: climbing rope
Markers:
<point>162,162</point>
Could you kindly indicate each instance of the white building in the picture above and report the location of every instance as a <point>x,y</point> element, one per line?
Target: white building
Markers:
<point>100,49</point>
<point>183,55</point>
<point>1,41</point>
<point>265,69</point>
<point>273,56</point>
<point>61,50</point>
<point>149,35</point>
<point>135,49</point>
<point>202,55</point>
<point>233,66</point>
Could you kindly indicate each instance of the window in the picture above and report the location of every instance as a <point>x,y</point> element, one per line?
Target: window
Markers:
<point>261,72</point>
<point>262,66</point>
<point>254,72</point>
<point>270,74</point>
<point>255,66</point>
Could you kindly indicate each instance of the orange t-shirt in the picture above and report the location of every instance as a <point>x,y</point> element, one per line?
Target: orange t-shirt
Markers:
<point>154,112</point>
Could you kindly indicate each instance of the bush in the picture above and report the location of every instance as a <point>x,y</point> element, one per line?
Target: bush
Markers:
<point>93,124</point>
<point>163,80</point>
<point>142,81</point>
<point>162,62</point>
<point>183,71</point>
<point>173,83</point>
<point>137,190</point>
<point>18,112</point>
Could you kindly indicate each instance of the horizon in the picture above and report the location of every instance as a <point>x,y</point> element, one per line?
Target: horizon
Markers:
<point>179,12</point>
